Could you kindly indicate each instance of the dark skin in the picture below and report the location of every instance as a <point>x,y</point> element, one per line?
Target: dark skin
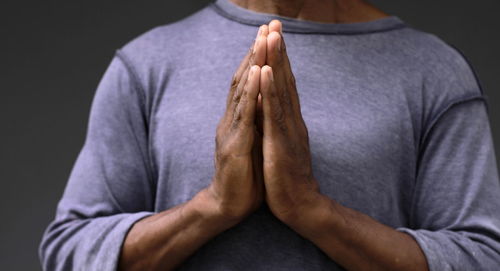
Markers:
<point>352,239</point>
<point>262,153</point>
<point>164,240</point>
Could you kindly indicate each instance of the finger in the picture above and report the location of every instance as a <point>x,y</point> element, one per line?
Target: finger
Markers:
<point>274,117</point>
<point>275,26</point>
<point>256,54</point>
<point>261,59</point>
<point>277,58</point>
<point>235,100</point>
<point>259,50</point>
<point>235,80</point>
<point>273,56</point>
<point>244,114</point>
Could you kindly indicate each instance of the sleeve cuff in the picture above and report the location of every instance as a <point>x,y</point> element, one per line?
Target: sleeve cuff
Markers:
<point>111,251</point>
<point>432,249</point>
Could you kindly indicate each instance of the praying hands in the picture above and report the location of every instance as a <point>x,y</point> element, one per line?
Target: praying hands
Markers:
<point>262,139</point>
<point>262,154</point>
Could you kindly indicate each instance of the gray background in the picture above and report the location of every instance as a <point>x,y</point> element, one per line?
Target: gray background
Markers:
<point>54,53</point>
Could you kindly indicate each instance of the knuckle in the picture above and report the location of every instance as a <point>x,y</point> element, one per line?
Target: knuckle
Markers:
<point>236,98</point>
<point>240,119</point>
<point>236,119</point>
<point>244,94</point>
<point>243,99</point>
<point>234,81</point>
<point>237,94</point>
<point>235,124</point>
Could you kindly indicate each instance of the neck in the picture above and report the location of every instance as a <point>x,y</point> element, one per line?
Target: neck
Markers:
<point>325,11</point>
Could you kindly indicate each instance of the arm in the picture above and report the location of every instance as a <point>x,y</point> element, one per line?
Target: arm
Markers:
<point>456,203</point>
<point>455,208</point>
<point>353,239</point>
<point>106,217</point>
<point>163,241</point>
<point>111,183</point>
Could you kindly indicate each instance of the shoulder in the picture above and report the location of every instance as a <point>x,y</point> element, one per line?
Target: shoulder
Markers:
<point>440,74</point>
<point>444,69</point>
<point>152,44</point>
<point>154,51</point>
<point>435,75</point>
<point>151,57</point>
<point>158,43</point>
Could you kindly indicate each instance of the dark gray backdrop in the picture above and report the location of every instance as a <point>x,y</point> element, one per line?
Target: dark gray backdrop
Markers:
<point>54,53</point>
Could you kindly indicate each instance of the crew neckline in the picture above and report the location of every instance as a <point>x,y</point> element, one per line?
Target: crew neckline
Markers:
<point>234,12</point>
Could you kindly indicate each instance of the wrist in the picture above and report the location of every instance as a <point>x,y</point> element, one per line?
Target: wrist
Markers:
<point>211,211</point>
<point>313,216</point>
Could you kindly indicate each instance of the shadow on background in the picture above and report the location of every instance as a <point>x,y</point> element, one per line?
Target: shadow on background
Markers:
<point>56,52</point>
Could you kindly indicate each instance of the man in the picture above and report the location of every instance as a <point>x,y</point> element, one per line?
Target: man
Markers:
<point>358,144</point>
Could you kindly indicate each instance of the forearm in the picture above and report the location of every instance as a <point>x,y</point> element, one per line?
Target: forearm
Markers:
<point>165,240</point>
<point>356,241</point>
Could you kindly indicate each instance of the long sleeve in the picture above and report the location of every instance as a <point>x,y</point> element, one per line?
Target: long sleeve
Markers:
<point>111,185</point>
<point>455,214</point>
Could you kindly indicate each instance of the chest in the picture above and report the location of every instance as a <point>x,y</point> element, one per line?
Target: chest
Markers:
<point>360,134</point>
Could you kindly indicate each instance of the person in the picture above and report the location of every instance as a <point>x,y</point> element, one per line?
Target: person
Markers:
<point>344,139</point>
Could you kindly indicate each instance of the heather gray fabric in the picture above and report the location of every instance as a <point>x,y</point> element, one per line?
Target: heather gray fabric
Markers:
<point>398,130</point>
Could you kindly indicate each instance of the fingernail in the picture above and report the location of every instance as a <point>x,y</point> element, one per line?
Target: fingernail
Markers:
<point>279,44</point>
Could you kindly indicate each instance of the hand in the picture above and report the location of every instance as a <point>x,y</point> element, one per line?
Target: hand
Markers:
<point>289,182</point>
<point>237,186</point>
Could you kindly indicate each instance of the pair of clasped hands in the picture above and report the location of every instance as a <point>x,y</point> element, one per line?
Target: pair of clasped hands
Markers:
<point>262,148</point>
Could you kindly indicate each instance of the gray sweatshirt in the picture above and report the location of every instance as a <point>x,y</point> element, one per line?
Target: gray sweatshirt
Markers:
<point>398,128</point>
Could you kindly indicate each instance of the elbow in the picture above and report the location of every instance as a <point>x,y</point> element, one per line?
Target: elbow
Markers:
<point>56,249</point>
<point>48,250</point>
